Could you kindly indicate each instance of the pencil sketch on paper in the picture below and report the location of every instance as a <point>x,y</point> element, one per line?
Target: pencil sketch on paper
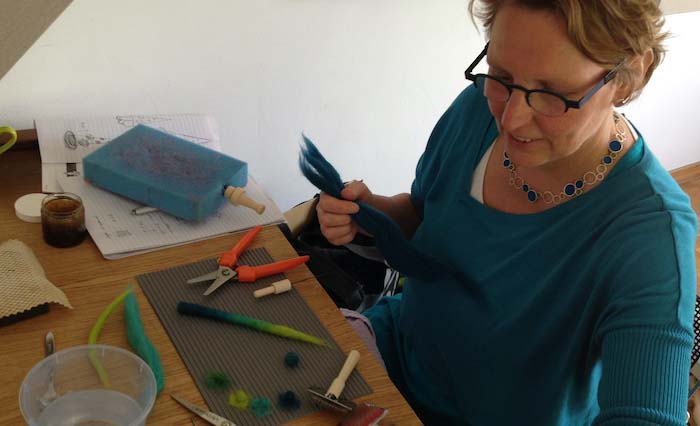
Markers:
<point>130,121</point>
<point>156,121</point>
<point>72,140</point>
<point>82,137</point>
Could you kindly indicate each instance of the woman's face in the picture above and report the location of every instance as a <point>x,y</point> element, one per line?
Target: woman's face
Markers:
<point>531,48</point>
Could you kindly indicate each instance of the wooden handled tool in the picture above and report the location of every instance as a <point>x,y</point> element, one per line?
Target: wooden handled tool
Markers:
<point>331,398</point>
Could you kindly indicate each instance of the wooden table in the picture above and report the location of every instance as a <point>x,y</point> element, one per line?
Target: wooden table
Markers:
<point>90,282</point>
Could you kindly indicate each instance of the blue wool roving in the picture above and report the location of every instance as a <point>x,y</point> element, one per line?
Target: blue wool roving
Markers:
<point>398,252</point>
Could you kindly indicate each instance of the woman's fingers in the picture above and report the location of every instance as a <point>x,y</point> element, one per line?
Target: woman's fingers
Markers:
<point>329,204</point>
<point>335,220</point>
<point>339,235</point>
<point>356,191</point>
<point>335,215</point>
<point>332,219</point>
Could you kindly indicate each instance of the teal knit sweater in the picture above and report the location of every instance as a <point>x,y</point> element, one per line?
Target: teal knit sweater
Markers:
<point>581,314</point>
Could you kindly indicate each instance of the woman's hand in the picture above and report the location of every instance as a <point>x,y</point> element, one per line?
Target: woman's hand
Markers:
<point>334,215</point>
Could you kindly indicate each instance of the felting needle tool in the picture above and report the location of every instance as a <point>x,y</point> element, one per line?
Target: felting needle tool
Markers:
<point>138,211</point>
<point>331,398</point>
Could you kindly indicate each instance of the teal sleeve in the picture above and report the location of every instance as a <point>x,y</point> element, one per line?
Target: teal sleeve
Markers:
<point>645,335</point>
<point>645,376</point>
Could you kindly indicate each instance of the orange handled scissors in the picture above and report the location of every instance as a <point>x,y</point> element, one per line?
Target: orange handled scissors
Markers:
<point>244,273</point>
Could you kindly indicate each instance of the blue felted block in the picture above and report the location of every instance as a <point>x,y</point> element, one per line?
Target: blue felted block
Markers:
<point>164,171</point>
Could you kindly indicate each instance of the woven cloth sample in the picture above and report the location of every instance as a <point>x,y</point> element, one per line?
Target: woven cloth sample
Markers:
<point>253,360</point>
<point>23,285</point>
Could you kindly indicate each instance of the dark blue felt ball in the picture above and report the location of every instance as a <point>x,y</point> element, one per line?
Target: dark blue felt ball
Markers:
<point>291,359</point>
<point>289,400</point>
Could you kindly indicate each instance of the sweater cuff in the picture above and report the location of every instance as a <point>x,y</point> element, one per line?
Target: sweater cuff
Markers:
<point>645,376</point>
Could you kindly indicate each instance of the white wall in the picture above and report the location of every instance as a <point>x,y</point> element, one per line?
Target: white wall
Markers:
<point>667,111</point>
<point>679,6</point>
<point>366,80</point>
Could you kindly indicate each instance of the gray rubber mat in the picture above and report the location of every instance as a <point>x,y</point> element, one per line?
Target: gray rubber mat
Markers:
<point>253,360</point>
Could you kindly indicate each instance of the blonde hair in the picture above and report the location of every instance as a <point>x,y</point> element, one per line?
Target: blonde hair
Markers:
<point>608,32</point>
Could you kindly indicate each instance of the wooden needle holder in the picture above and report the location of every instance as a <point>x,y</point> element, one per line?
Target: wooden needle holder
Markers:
<point>237,197</point>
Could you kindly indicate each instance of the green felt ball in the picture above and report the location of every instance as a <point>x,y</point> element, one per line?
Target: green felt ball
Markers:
<point>291,359</point>
<point>239,399</point>
<point>217,380</point>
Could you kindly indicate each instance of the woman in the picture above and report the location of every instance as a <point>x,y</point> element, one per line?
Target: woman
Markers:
<point>577,245</point>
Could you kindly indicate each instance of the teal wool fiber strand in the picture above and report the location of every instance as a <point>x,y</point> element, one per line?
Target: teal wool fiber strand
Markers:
<point>399,252</point>
<point>185,308</point>
<point>138,340</point>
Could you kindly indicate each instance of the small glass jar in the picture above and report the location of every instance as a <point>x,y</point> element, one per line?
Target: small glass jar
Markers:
<point>63,220</point>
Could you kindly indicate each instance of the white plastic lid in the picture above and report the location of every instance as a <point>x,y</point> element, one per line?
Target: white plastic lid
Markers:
<point>28,207</point>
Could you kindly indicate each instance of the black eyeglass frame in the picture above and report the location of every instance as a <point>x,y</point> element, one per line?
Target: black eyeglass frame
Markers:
<point>568,102</point>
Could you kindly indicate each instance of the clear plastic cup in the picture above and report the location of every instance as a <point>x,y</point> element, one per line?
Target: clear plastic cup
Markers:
<point>88,385</point>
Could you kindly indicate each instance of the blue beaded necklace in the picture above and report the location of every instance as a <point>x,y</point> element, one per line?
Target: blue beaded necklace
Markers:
<point>575,188</point>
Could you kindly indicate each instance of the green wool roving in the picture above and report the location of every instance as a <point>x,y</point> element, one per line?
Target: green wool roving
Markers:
<point>95,333</point>
<point>186,308</point>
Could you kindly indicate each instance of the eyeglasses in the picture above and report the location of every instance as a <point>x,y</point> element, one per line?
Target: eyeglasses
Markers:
<point>543,101</point>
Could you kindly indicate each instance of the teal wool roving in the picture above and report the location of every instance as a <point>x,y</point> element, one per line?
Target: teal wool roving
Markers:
<point>138,340</point>
<point>399,252</point>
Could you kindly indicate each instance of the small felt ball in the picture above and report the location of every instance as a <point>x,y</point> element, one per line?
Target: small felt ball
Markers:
<point>291,359</point>
<point>217,380</point>
<point>261,406</point>
<point>239,399</point>
<point>289,401</point>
